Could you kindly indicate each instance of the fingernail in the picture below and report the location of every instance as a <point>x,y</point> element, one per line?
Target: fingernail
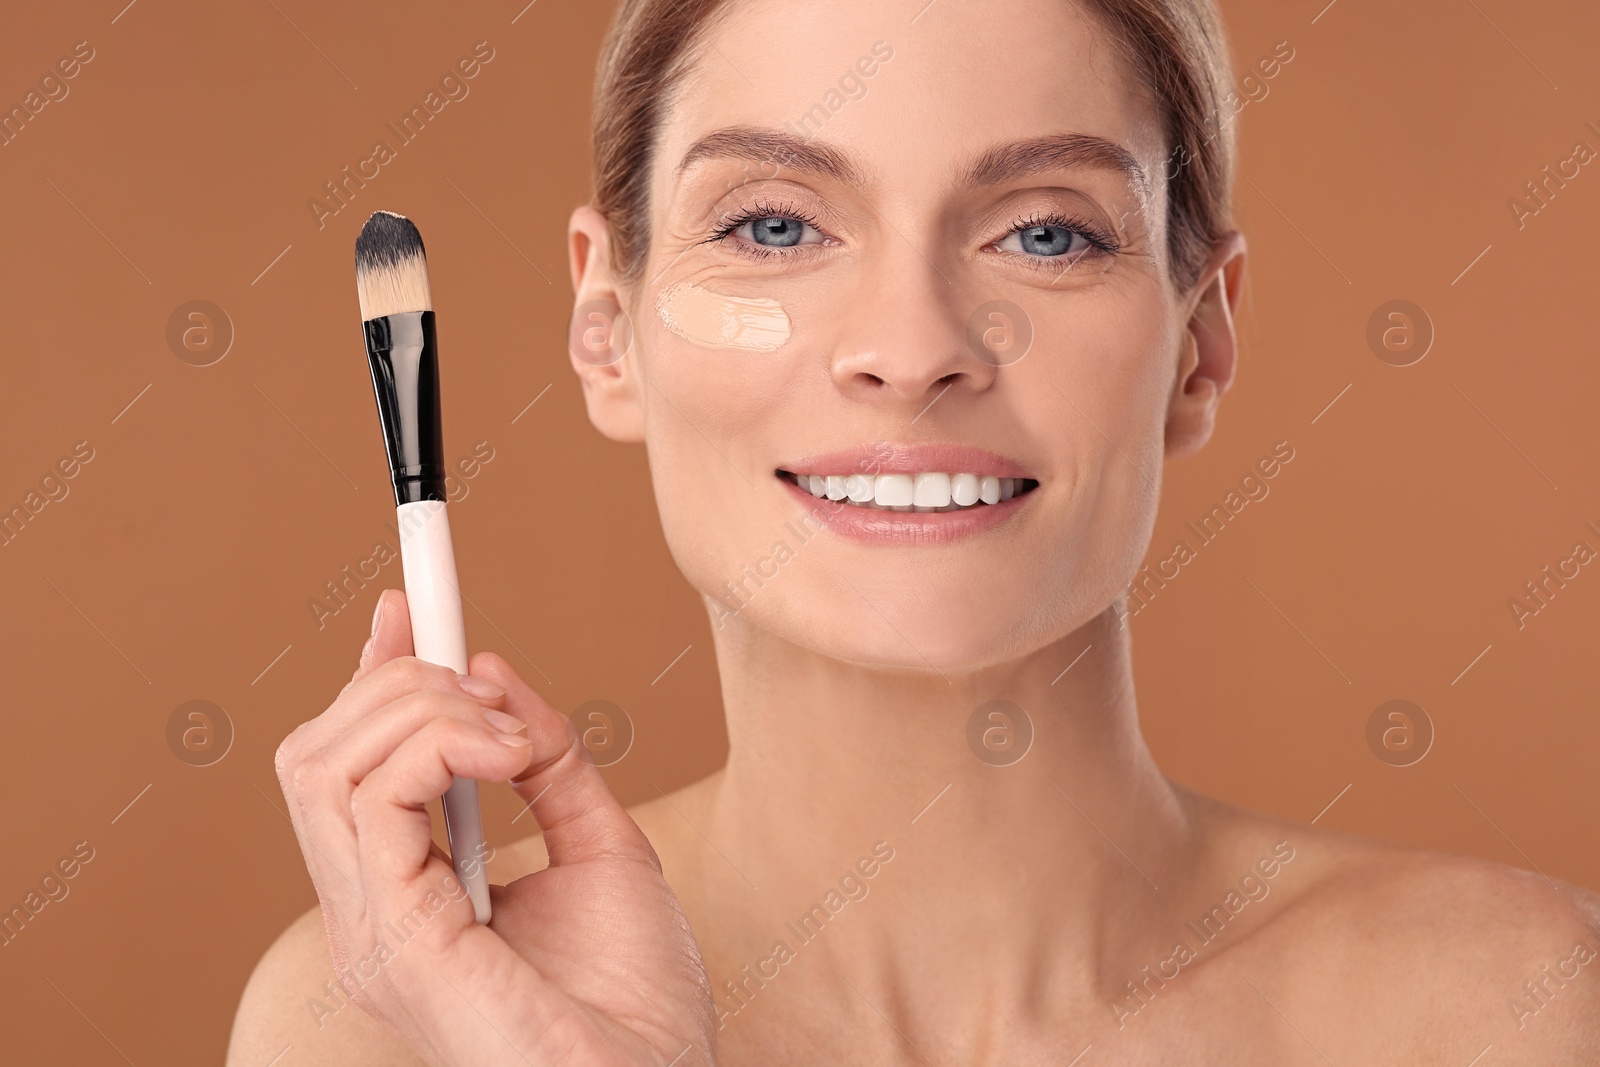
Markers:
<point>377,614</point>
<point>514,740</point>
<point>479,687</point>
<point>508,724</point>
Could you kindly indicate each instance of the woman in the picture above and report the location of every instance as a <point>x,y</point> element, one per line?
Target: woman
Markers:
<point>919,303</point>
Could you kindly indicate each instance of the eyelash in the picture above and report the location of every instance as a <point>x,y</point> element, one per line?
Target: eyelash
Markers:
<point>1100,243</point>
<point>760,210</point>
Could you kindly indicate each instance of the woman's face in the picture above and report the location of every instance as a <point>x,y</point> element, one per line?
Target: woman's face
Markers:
<point>947,235</point>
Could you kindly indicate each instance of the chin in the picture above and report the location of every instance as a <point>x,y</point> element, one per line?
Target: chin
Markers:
<point>938,625</point>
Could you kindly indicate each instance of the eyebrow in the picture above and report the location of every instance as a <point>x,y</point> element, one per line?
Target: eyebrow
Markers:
<point>1065,151</point>
<point>996,165</point>
<point>767,144</point>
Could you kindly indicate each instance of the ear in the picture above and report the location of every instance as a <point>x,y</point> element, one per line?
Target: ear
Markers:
<point>1210,349</point>
<point>600,337</point>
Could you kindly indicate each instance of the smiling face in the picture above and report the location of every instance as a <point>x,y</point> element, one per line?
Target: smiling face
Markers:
<point>919,269</point>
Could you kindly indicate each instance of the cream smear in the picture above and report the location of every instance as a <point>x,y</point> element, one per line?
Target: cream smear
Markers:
<point>715,320</point>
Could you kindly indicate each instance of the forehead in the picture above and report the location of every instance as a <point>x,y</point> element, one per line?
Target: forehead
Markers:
<point>910,92</point>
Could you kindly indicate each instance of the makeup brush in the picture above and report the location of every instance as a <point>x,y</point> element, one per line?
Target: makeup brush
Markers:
<point>397,322</point>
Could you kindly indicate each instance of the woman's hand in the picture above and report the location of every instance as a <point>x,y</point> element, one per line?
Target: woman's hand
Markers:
<point>590,961</point>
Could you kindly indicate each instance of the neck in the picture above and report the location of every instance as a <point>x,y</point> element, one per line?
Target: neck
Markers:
<point>1003,860</point>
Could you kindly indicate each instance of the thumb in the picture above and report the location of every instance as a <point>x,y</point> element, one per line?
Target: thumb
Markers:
<point>391,633</point>
<point>581,818</point>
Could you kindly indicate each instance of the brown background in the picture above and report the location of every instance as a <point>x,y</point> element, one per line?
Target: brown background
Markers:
<point>180,565</point>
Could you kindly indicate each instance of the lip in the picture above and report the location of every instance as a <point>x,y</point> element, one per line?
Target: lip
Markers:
<point>889,458</point>
<point>874,527</point>
<point>906,528</point>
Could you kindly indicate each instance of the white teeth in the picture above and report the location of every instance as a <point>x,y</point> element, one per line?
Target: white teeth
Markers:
<point>964,489</point>
<point>931,490</point>
<point>892,490</point>
<point>922,492</point>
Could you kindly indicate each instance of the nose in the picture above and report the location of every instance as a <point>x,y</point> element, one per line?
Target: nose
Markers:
<point>905,341</point>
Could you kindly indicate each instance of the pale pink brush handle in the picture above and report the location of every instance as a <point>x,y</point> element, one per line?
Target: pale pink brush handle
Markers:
<point>439,635</point>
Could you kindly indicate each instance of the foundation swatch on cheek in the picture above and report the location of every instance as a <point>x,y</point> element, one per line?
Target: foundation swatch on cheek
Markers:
<point>714,320</point>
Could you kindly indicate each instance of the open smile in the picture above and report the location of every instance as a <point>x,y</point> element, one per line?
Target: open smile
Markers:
<point>914,494</point>
<point>923,492</point>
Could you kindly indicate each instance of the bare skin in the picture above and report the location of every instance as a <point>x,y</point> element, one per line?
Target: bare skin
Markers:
<point>1012,914</point>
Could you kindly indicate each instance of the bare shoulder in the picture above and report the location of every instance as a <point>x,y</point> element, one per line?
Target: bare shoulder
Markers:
<point>1413,956</point>
<point>293,1001</point>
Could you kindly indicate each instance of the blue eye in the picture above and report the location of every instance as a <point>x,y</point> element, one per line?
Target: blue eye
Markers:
<point>774,231</point>
<point>1044,241</point>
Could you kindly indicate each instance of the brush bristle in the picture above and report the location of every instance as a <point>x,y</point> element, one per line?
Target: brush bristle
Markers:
<point>391,267</point>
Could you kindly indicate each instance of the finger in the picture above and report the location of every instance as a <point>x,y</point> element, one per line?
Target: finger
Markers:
<point>318,789</point>
<point>327,778</point>
<point>367,744</point>
<point>388,682</point>
<point>326,838</point>
<point>391,632</point>
<point>394,835</point>
<point>577,811</point>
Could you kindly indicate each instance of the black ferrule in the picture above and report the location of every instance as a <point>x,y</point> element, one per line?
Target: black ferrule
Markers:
<point>405,376</point>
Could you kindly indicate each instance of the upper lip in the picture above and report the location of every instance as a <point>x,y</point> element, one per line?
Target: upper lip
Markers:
<point>890,458</point>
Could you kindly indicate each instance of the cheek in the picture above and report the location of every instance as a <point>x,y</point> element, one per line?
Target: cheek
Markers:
<point>1116,372</point>
<point>718,421</point>
<point>714,427</point>
<point>710,319</point>
<point>1117,369</point>
<point>728,359</point>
